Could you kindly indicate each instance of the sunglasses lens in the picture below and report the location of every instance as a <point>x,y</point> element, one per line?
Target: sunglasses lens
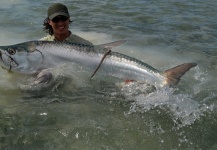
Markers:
<point>57,19</point>
<point>64,18</point>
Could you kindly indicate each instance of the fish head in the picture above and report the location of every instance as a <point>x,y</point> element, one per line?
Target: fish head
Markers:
<point>21,58</point>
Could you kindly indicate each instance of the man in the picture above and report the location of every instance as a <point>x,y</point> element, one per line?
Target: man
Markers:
<point>57,25</point>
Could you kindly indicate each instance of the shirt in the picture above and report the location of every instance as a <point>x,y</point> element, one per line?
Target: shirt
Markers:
<point>72,38</point>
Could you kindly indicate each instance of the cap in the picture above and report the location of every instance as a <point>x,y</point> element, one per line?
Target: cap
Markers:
<point>57,9</point>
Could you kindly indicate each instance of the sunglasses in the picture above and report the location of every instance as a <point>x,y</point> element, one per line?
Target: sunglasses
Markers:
<point>58,18</point>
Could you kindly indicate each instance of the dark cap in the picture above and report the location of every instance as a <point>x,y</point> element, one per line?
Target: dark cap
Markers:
<point>57,9</point>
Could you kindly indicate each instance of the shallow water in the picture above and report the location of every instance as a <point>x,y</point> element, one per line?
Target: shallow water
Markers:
<point>76,113</point>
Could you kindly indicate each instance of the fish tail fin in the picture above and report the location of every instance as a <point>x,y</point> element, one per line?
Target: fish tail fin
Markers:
<point>173,75</point>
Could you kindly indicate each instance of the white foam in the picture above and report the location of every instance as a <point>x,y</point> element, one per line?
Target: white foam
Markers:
<point>182,108</point>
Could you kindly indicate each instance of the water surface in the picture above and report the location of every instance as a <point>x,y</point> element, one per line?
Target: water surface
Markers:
<point>76,113</point>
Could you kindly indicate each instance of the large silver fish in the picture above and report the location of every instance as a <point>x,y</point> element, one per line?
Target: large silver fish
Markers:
<point>35,56</point>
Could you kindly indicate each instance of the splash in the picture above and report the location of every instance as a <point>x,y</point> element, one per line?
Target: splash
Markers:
<point>61,75</point>
<point>183,109</point>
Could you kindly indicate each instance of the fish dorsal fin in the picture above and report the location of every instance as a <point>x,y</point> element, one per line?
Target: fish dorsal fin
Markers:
<point>173,75</point>
<point>112,44</point>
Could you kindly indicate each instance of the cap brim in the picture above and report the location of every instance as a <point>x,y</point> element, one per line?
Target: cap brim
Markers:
<point>58,14</point>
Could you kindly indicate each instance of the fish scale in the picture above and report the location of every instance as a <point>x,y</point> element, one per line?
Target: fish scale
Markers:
<point>90,57</point>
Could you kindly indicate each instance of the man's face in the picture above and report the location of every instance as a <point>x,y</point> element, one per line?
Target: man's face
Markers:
<point>60,24</point>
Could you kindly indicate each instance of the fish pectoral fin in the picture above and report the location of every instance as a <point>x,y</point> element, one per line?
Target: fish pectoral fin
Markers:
<point>173,75</point>
<point>43,77</point>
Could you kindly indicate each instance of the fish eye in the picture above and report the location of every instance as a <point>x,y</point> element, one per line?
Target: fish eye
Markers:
<point>11,51</point>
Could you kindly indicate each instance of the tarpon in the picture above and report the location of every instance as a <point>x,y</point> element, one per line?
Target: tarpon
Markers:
<point>34,56</point>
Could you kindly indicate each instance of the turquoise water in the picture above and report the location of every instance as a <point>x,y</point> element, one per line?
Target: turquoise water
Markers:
<point>75,113</point>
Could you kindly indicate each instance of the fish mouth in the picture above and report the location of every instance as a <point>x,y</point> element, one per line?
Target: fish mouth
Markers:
<point>11,61</point>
